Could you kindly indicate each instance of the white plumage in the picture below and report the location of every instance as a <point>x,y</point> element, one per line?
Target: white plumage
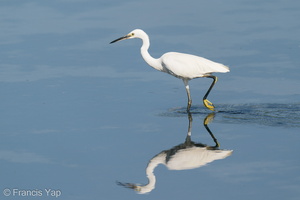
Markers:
<point>187,66</point>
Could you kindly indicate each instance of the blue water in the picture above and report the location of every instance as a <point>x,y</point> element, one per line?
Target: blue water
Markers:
<point>79,115</point>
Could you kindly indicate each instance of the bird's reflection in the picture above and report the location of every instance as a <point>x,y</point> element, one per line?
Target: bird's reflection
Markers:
<point>188,155</point>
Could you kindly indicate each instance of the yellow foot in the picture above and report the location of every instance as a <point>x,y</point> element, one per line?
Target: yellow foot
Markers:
<point>209,118</point>
<point>208,104</point>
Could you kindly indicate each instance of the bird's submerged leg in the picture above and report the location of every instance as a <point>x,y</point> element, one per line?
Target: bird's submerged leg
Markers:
<point>206,102</point>
<point>187,87</point>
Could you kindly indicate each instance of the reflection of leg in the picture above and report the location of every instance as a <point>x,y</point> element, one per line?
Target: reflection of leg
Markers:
<point>187,87</point>
<point>206,102</point>
<point>209,118</point>
<point>189,134</point>
<point>190,123</point>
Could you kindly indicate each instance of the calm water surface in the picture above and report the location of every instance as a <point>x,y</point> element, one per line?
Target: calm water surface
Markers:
<point>81,119</point>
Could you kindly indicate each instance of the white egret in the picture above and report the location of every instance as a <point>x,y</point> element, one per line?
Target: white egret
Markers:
<point>180,65</point>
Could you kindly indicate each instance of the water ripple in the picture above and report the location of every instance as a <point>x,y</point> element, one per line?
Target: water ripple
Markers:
<point>269,114</point>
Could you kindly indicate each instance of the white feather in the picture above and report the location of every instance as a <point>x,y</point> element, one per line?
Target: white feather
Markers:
<point>189,66</point>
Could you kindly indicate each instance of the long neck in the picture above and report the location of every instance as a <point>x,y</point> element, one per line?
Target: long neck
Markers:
<point>153,62</point>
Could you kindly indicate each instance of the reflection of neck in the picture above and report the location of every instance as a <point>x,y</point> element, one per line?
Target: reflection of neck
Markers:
<point>159,159</point>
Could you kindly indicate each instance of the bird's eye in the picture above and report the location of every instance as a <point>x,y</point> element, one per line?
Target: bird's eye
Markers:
<point>132,34</point>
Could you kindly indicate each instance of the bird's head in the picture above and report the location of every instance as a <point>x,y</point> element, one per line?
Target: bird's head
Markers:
<point>137,33</point>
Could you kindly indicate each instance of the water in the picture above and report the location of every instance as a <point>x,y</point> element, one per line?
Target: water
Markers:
<point>78,116</point>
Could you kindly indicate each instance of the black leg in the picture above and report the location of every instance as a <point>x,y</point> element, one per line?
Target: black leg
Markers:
<point>206,102</point>
<point>187,87</point>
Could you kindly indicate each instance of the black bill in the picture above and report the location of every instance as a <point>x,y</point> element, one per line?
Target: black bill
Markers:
<point>121,38</point>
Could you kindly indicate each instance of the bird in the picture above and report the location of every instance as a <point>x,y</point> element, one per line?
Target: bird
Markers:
<point>185,156</point>
<point>180,65</point>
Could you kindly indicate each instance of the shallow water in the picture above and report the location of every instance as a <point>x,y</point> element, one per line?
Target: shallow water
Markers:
<point>81,118</point>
